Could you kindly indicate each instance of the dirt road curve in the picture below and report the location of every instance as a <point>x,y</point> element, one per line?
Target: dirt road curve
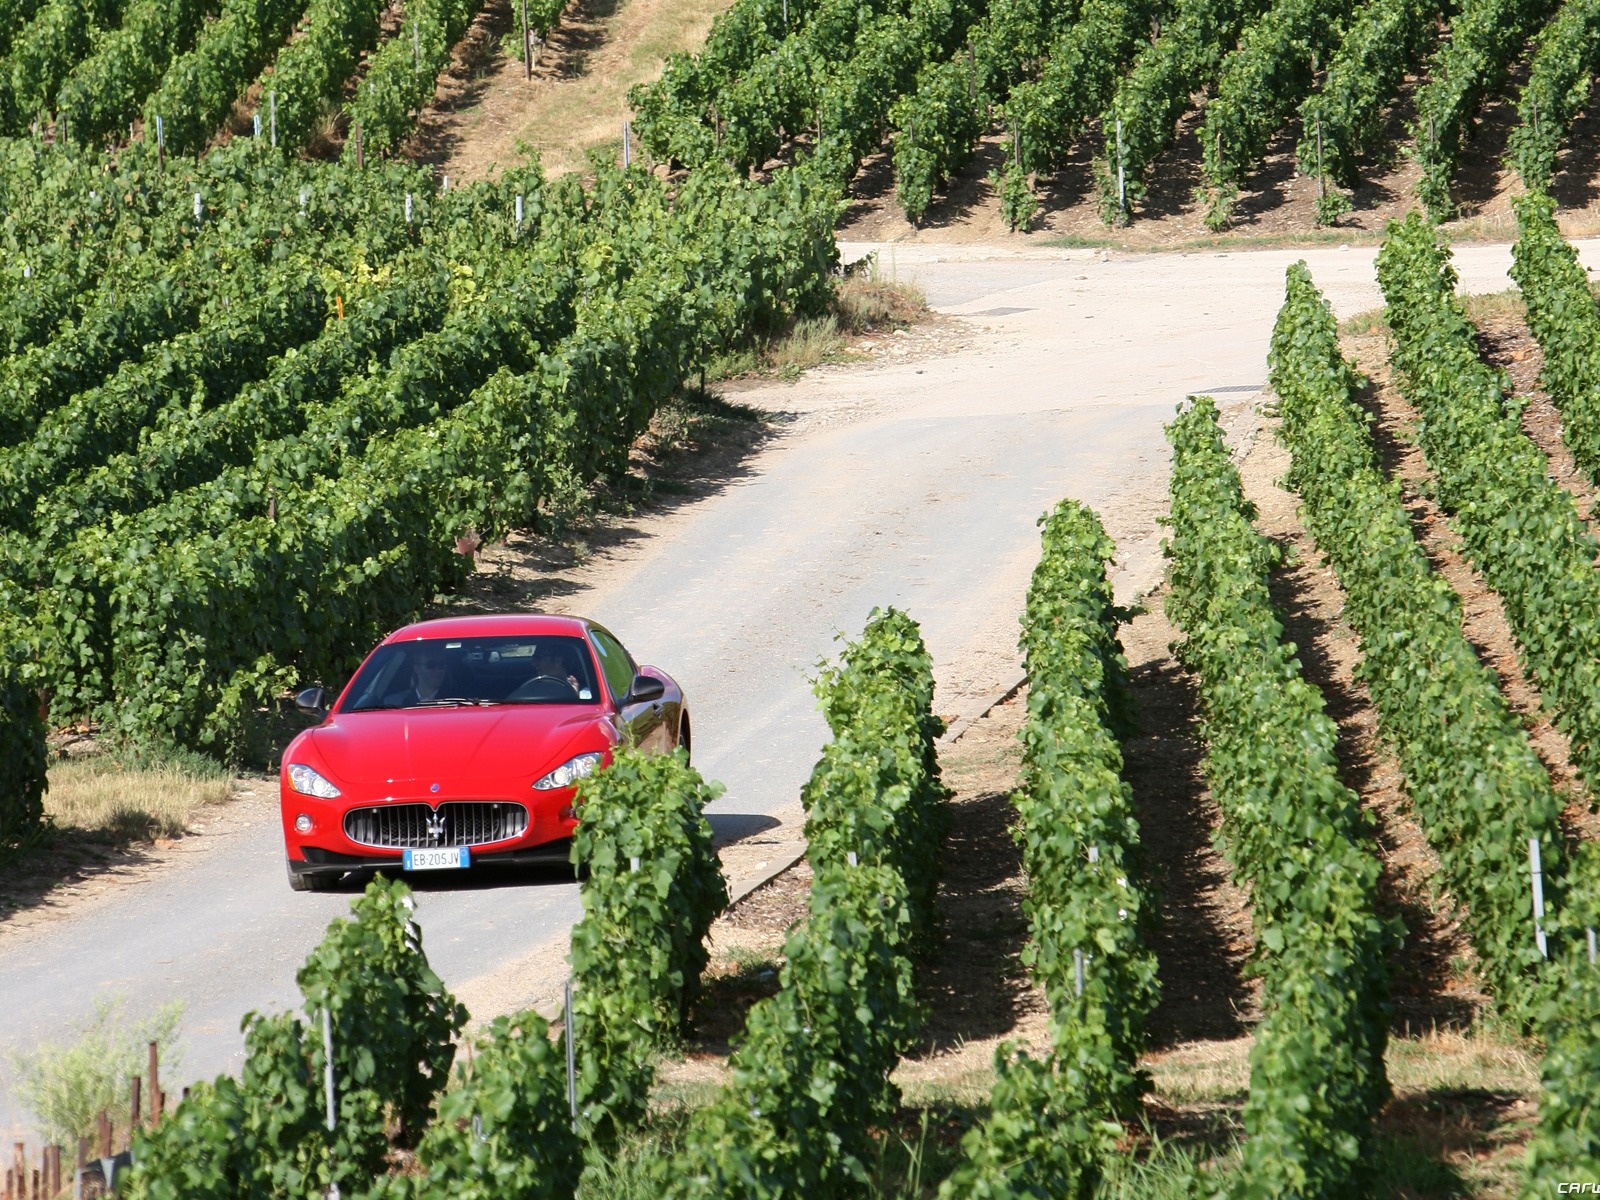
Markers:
<point>913,482</point>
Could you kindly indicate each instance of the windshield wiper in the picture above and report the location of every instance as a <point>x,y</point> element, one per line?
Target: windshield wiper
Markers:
<point>453,702</point>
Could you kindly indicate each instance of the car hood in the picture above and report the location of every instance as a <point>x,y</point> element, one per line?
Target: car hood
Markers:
<point>391,750</point>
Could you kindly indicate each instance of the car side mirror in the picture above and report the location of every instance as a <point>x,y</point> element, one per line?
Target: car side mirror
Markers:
<point>646,688</point>
<point>312,702</point>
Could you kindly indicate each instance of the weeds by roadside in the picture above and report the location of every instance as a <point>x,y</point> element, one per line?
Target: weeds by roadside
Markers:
<point>133,796</point>
<point>865,302</point>
<point>102,808</point>
<point>66,1085</point>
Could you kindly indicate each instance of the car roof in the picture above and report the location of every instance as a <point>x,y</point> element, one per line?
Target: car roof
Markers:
<point>491,625</point>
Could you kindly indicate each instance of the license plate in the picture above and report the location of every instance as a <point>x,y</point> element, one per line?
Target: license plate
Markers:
<point>438,858</point>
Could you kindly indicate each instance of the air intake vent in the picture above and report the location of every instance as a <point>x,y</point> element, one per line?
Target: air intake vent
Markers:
<point>455,823</point>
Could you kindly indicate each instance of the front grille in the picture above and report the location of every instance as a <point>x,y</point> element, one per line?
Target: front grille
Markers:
<point>456,823</point>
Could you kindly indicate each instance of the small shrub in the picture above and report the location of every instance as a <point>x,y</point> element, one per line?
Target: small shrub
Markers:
<point>66,1085</point>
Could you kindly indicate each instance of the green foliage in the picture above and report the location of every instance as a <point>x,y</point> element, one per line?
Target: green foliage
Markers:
<point>1077,80</point>
<point>1478,789</point>
<point>401,77</point>
<point>263,1135</point>
<point>394,1024</point>
<point>1471,67</point>
<point>199,87</point>
<point>1564,320</point>
<point>1519,527</point>
<point>1039,1142</point>
<point>394,1029</point>
<point>505,1133</point>
<point>1292,831</point>
<point>1079,837</point>
<point>22,746</point>
<point>811,1077</point>
<point>837,68</point>
<point>60,35</point>
<point>66,1086</point>
<point>272,310</point>
<point>104,91</point>
<point>1018,204</point>
<point>1341,123</point>
<point>1565,56</point>
<point>1010,40</point>
<point>276,486</point>
<point>1261,83</point>
<point>937,128</point>
<point>1053,1125</point>
<point>1142,118</point>
<point>1565,1146</point>
<point>14,15</point>
<point>876,792</point>
<point>309,73</point>
<point>652,890</point>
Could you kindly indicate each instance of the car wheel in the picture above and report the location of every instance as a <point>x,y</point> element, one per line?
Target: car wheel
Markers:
<point>309,883</point>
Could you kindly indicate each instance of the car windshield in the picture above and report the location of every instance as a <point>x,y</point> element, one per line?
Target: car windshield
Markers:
<point>456,672</point>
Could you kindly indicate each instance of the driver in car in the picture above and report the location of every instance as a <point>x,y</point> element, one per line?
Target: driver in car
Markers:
<point>427,677</point>
<point>550,661</point>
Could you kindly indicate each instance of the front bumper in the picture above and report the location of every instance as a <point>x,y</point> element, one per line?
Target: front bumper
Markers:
<point>330,865</point>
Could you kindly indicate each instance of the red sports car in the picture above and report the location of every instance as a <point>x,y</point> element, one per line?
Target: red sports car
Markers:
<point>460,742</point>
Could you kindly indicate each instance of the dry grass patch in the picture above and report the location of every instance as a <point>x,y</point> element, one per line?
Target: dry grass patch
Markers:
<point>865,304</point>
<point>578,96</point>
<point>1449,1060</point>
<point>129,801</point>
<point>867,300</point>
<point>1487,307</point>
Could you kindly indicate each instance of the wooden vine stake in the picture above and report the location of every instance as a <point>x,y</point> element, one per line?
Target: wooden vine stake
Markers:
<point>1122,171</point>
<point>572,1055</point>
<point>1322,180</point>
<point>155,1083</point>
<point>527,45</point>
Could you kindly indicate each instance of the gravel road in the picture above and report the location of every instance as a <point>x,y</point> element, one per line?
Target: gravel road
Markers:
<point>915,480</point>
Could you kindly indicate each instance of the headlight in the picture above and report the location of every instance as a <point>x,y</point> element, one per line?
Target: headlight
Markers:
<point>569,772</point>
<point>303,779</point>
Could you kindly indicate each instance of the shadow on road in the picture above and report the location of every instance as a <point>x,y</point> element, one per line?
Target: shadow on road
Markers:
<point>735,827</point>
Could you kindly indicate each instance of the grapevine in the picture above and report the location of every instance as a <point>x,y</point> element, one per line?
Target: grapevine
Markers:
<point>200,86</point>
<point>1564,60</point>
<point>1052,1124</point>
<point>1520,527</point>
<point>1142,117</point>
<point>104,91</point>
<point>1470,68</point>
<point>1566,324</point>
<point>1292,831</point>
<point>1479,790</point>
<point>1077,80</point>
<point>1261,84</point>
<point>1341,123</point>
